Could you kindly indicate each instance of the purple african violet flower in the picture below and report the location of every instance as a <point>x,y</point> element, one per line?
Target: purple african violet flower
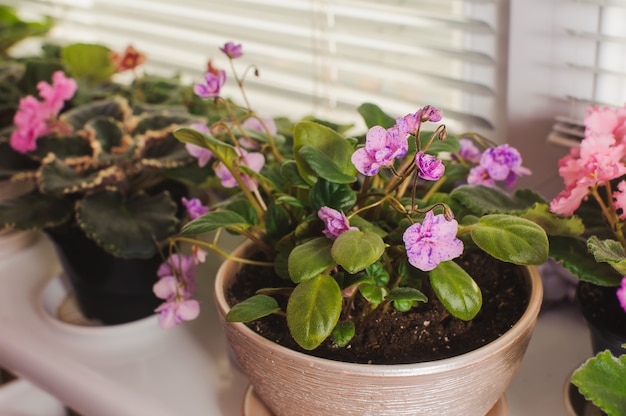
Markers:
<point>478,175</point>
<point>232,50</point>
<point>503,163</point>
<point>194,207</point>
<point>214,83</point>
<point>432,242</point>
<point>621,294</point>
<point>430,168</point>
<point>469,151</point>
<point>177,310</point>
<point>335,222</point>
<point>430,113</point>
<point>410,123</point>
<point>381,148</point>
<point>203,155</point>
<point>254,161</point>
<point>183,269</point>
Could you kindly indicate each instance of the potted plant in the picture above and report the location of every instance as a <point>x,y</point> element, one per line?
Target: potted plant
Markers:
<point>350,231</point>
<point>594,176</point>
<point>105,176</point>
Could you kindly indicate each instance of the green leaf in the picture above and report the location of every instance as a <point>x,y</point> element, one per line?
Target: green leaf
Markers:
<point>34,211</point>
<point>309,259</point>
<point>313,310</point>
<point>485,200</point>
<point>554,224</point>
<point>215,220</point>
<point>450,145</point>
<point>116,108</point>
<point>374,116</point>
<point>88,61</point>
<point>327,142</point>
<point>223,151</point>
<point>253,308</point>
<point>58,178</point>
<point>456,290</point>
<point>511,239</point>
<point>608,251</point>
<point>574,256</point>
<point>337,196</point>
<point>374,294</point>
<point>602,379</point>
<point>343,333</point>
<point>127,227</point>
<point>405,298</point>
<point>355,250</point>
<point>277,221</point>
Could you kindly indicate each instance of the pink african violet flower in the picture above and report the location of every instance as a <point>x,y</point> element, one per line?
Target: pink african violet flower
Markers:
<point>203,155</point>
<point>597,160</point>
<point>469,151</point>
<point>430,113</point>
<point>177,310</point>
<point>199,255</point>
<point>335,222</point>
<point>232,50</point>
<point>432,242</point>
<point>621,294</point>
<point>182,269</point>
<point>213,84</point>
<point>501,163</point>
<point>194,207</point>
<point>34,118</point>
<point>381,148</point>
<point>430,168</point>
<point>410,124</point>
<point>255,124</point>
<point>254,161</point>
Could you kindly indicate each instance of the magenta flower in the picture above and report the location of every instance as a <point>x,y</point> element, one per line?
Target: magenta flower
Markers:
<point>502,163</point>
<point>232,50</point>
<point>177,310</point>
<point>213,84</point>
<point>194,207</point>
<point>429,167</point>
<point>432,242</point>
<point>621,294</point>
<point>381,148</point>
<point>335,222</point>
<point>34,118</point>
<point>254,161</point>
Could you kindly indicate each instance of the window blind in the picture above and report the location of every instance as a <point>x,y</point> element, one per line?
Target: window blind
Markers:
<point>590,63</point>
<point>319,57</point>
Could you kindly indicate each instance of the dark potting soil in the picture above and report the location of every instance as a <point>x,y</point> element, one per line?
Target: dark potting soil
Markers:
<point>600,305</point>
<point>425,333</point>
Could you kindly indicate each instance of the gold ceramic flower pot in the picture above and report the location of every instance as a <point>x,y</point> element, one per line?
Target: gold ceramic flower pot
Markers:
<point>291,383</point>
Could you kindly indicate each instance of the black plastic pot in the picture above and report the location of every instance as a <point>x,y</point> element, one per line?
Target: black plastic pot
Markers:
<point>109,289</point>
<point>605,317</point>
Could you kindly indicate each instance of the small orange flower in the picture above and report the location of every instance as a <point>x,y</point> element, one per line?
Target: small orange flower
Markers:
<point>131,59</point>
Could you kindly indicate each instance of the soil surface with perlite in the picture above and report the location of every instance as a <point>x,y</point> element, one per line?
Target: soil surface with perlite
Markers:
<point>425,333</point>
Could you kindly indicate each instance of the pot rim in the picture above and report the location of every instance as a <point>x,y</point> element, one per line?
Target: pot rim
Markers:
<point>525,323</point>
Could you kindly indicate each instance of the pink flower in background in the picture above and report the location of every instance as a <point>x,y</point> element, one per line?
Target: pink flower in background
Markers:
<point>501,163</point>
<point>213,84</point>
<point>381,148</point>
<point>177,310</point>
<point>430,168</point>
<point>432,242</point>
<point>335,222</point>
<point>194,207</point>
<point>182,269</point>
<point>621,294</point>
<point>34,118</point>
<point>203,155</point>
<point>232,50</point>
<point>254,161</point>
<point>469,151</point>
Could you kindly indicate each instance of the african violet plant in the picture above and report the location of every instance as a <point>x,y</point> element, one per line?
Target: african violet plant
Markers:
<point>340,218</point>
<point>101,165</point>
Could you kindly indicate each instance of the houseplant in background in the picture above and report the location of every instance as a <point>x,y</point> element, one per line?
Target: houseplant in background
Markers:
<point>595,191</point>
<point>106,175</point>
<point>350,231</point>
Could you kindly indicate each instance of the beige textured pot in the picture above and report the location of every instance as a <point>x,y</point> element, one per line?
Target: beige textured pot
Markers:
<point>295,384</point>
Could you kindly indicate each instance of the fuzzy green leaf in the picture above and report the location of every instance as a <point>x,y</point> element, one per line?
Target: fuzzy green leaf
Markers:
<point>326,142</point>
<point>575,257</point>
<point>91,62</point>
<point>485,200</point>
<point>58,178</point>
<point>309,259</point>
<point>116,108</point>
<point>127,227</point>
<point>253,308</point>
<point>511,239</point>
<point>343,333</point>
<point>608,251</point>
<point>552,223</point>
<point>355,250</point>
<point>602,379</point>
<point>333,195</point>
<point>374,116</point>
<point>405,298</point>
<point>313,310</point>
<point>456,289</point>
<point>215,220</point>
<point>374,294</point>
<point>223,151</point>
<point>34,211</point>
